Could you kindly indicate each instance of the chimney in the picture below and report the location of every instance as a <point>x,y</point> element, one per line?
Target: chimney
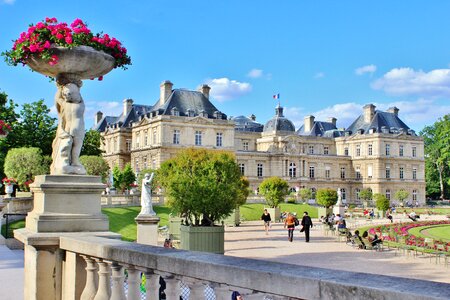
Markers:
<point>253,117</point>
<point>369,112</point>
<point>332,120</point>
<point>309,123</point>
<point>127,105</point>
<point>204,89</point>
<point>165,91</point>
<point>393,110</point>
<point>98,117</point>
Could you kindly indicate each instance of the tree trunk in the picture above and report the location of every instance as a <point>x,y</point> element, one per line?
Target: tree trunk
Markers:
<point>440,169</point>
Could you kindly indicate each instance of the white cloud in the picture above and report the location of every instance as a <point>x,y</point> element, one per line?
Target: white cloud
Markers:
<point>255,73</point>
<point>108,108</point>
<point>345,113</point>
<point>319,75</point>
<point>8,1</point>
<point>225,89</point>
<point>407,81</point>
<point>366,69</point>
<point>295,114</point>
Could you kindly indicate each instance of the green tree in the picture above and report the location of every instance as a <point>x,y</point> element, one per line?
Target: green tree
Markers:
<point>305,194</point>
<point>437,155</point>
<point>123,178</point>
<point>141,175</point>
<point>203,186</point>
<point>326,197</point>
<point>274,189</point>
<point>366,195</point>
<point>36,128</point>
<point>244,191</point>
<point>401,195</point>
<point>382,203</point>
<point>23,164</point>
<point>9,115</point>
<point>91,143</point>
<point>95,165</point>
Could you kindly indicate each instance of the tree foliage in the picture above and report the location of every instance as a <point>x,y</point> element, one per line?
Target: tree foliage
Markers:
<point>244,191</point>
<point>7,114</point>
<point>141,175</point>
<point>91,143</point>
<point>123,178</point>
<point>326,197</point>
<point>23,164</point>
<point>366,194</point>
<point>203,186</point>
<point>95,165</point>
<point>274,189</point>
<point>305,194</point>
<point>437,156</point>
<point>401,195</point>
<point>382,203</point>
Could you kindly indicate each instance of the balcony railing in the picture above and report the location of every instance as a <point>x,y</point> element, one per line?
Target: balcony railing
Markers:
<point>197,275</point>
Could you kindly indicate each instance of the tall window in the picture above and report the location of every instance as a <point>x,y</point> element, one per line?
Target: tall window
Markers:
<point>388,194</point>
<point>145,138</point>
<point>144,162</point>
<point>303,168</point>
<point>138,139</point>
<point>198,138</point>
<point>414,195</point>
<point>342,172</point>
<point>369,171</point>
<point>357,191</point>
<point>358,150</point>
<point>136,163</point>
<point>311,172</point>
<point>358,172</point>
<point>219,136</point>
<point>400,150</point>
<point>128,144</point>
<point>346,151</point>
<point>369,149</point>
<point>154,136</point>
<point>242,169</point>
<point>414,173</point>
<point>401,173</point>
<point>388,149</point>
<point>176,137</point>
<point>245,146</point>
<point>311,149</point>
<point>325,150</point>
<point>414,151</point>
<point>327,172</point>
<point>388,172</point>
<point>292,170</point>
<point>260,170</point>
<point>344,194</point>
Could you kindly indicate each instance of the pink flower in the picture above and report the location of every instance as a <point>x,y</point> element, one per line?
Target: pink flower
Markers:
<point>69,39</point>
<point>33,48</point>
<point>47,45</point>
<point>51,20</point>
<point>59,36</point>
<point>100,78</point>
<point>53,60</point>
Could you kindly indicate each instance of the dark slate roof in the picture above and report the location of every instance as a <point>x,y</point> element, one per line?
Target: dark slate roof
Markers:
<point>123,120</point>
<point>320,128</point>
<point>382,121</point>
<point>243,123</point>
<point>185,100</point>
<point>279,122</point>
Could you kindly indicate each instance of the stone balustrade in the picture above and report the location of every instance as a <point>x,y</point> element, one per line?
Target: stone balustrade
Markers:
<point>94,267</point>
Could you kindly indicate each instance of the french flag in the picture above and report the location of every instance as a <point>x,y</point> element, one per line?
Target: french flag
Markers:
<point>277,96</point>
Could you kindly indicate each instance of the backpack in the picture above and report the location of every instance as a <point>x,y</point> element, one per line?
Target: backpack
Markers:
<point>296,222</point>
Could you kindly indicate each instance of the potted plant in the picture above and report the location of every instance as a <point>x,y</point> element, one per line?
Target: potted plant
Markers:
<point>235,218</point>
<point>9,185</point>
<point>203,186</point>
<point>4,129</point>
<point>305,194</point>
<point>366,196</point>
<point>274,189</point>
<point>382,203</point>
<point>326,198</point>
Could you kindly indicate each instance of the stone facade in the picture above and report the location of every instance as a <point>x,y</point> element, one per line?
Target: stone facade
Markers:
<point>378,151</point>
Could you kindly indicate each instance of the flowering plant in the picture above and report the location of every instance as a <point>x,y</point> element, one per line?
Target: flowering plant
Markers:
<point>4,128</point>
<point>8,181</point>
<point>39,39</point>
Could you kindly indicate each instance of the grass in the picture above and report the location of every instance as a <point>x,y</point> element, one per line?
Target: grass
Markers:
<point>12,226</point>
<point>253,212</point>
<point>436,232</point>
<point>419,211</point>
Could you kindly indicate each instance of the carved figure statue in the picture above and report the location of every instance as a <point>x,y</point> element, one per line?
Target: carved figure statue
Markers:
<point>146,196</point>
<point>70,132</point>
<point>339,193</point>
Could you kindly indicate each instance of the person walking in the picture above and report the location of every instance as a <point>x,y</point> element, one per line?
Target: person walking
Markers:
<point>266,218</point>
<point>306,225</point>
<point>290,224</point>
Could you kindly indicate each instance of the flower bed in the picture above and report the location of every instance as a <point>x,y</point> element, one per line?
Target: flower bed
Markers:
<point>400,231</point>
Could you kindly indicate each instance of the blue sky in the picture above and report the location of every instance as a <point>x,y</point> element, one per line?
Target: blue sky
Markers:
<point>325,58</point>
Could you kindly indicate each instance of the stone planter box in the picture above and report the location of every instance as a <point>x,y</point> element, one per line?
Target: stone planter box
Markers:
<point>174,227</point>
<point>203,238</point>
<point>234,219</point>
<point>274,212</point>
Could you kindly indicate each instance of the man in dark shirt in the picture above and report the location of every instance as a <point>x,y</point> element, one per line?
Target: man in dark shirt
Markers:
<point>306,225</point>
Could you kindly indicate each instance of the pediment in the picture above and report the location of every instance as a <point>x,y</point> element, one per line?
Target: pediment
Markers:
<point>200,120</point>
<point>144,121</point>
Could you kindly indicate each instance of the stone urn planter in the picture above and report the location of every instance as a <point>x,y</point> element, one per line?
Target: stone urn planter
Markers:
<point>203,238</point>
<point>9,188</point>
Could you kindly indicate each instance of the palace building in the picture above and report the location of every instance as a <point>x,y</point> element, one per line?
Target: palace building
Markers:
<point>377,151</point>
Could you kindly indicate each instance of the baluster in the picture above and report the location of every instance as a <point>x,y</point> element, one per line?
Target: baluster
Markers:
<point>222,292</point>
<point>90,289</point>
<point>118,277</point>
<point>196,287</point>
<point>152,286</point>
<point>134,284</point>
<point>104,287</point>
<point>172,288</point>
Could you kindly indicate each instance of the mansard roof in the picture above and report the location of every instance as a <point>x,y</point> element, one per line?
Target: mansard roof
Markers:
<point>321,128</point>
<point>123,120</point>
<point>382,121</point>
<point>184,100</point>
<point>243,123</point>
<point>279,122</point>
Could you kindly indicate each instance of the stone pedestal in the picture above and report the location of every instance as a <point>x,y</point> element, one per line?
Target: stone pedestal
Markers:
<point>147,229</point>
<point>67,203</point>
<point>339,209</point>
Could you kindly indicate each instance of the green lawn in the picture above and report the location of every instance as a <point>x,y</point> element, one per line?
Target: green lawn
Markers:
<point>12,226</point>
<point>252,212</point>
<point>436,232</point>
<point>419,211</point>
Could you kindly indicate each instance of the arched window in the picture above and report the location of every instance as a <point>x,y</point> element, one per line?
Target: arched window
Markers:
<point>292,190</point>
<point>343,194</point>
<point>292,170</point>
<point>313,193</point>
<point>357,191</point>
<point>388,194</point>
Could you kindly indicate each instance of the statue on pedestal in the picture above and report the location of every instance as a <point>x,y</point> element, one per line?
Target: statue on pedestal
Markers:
<point>146,196</point>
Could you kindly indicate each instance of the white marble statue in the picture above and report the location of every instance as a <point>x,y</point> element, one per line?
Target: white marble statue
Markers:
<point>70,132</point>
<point>146,196</point>
<point>339,193</point>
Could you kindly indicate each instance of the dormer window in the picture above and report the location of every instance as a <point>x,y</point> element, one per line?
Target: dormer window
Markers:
<point>190,112</point>
<point>175,112</point>
<point>217,115</point>
<point>204,114</point>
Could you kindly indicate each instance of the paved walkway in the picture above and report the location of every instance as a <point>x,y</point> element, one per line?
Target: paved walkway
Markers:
<point>249,240</point>
<point>11,273</point>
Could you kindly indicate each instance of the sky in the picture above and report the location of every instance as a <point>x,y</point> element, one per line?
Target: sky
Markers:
<point>324,58</point>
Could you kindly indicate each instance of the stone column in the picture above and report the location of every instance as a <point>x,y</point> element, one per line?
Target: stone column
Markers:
<point>147,229</point>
